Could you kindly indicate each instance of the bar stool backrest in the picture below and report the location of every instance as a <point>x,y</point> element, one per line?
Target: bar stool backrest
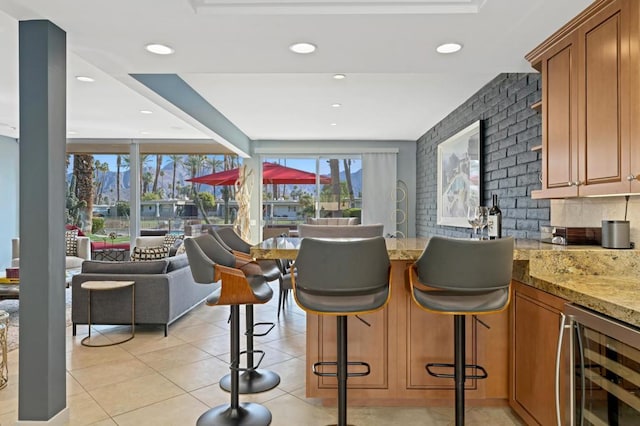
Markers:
<point>342,267</point>
<point>204,252</point>
<point>466,265</point>
<point>233,240</point>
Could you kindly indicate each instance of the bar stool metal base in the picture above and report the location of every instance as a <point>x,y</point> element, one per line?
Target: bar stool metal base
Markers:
<point>247,414</point>
<point>252,381</point>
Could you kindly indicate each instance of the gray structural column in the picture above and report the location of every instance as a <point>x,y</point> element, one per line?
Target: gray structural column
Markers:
<point>42,61</point>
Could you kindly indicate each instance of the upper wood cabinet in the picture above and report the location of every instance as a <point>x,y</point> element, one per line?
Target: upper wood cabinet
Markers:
<point>589,88</point>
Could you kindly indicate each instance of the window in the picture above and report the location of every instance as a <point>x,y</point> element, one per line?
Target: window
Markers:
<point>295,188</point>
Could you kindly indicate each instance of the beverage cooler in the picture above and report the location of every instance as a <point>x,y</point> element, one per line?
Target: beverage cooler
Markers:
<point>603,358</point>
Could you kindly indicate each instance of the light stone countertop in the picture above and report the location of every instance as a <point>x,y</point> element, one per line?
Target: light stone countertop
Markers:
<point>605,280</point>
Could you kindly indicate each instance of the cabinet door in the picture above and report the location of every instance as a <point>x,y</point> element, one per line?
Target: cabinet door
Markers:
<point>604,102</point>
<point>559,120</point>
<point>367,343</point>
<point>535,327</point>
<point>634,92</point>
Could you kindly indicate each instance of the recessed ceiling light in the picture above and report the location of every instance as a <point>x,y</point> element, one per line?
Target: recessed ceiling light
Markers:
<point>85,79</point>
<point>145,111</point>
<point>303,48</point>
<point>334,124</point>
<point>145,132</point>
<point>339,76</point>
<point>336,105</point>
<point>71,132</point>
<point>448,48</point>
<point>159,49</point>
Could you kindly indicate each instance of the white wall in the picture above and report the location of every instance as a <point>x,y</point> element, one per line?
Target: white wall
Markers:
<point>9,188</point>
<point>406,167</point>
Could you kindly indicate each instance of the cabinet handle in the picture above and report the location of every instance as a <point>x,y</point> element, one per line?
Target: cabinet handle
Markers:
<point>631,178</point>
<point>577,183</point>
<point>563,325</point>
<point>570,183</point>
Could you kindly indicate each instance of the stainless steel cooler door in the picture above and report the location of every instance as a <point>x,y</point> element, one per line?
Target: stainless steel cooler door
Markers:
<point>606,366</point>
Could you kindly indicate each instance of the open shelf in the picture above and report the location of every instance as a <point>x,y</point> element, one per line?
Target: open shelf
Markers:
<point>536,148</point>
<point>537,106</point>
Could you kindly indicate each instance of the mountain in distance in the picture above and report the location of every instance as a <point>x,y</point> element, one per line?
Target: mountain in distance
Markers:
<point>183,173</point>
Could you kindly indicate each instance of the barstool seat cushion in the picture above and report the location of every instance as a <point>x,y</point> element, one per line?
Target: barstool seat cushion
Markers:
<point>455,301</point>
<point>346,302</point>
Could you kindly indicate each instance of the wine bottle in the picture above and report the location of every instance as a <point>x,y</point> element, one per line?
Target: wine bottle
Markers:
<point>494,221</point>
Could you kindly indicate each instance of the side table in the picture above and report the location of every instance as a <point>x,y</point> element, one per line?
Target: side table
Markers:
<point>4,367</point>
<point>92,286</point>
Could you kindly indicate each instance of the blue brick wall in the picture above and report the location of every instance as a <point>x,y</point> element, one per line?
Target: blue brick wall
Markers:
<point>510,168</point>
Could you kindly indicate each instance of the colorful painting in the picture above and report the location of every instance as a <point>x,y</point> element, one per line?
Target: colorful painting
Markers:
<point>459,176</point>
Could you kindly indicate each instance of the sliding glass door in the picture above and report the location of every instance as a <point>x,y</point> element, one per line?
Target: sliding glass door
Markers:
<point>296,188</point>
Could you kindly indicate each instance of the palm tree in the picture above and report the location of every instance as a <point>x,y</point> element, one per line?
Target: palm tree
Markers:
<point>126,165</point>
<point>334,165</point>
<point>118,165</point>
<point>177,160</point>
<point>347,175</point>
<point>83,172</point>
<point>214,163</point>
<point>144,161</point>
<point>101,170</point>
<point>157,174</point>
<point>147,178</point>
<point>195,163</point>
<point>227,191</point>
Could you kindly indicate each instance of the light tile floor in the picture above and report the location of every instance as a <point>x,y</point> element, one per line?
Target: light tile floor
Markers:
<point>153,380</point>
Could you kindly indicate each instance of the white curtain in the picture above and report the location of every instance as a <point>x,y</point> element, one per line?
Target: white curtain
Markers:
<point>379,189</point>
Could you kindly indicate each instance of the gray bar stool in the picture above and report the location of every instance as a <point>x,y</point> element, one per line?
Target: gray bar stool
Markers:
<point>209,263</point>
<point>341,278</point>
<point>462,277</point>
<point>252,380</point>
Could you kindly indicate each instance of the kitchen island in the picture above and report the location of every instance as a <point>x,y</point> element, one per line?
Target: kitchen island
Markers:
<point>402,338</point>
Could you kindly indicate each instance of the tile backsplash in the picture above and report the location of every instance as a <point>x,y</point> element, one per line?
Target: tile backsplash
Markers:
<point>591,212</point>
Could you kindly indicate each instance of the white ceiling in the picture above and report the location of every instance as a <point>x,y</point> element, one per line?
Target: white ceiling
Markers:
<point>235,54</point>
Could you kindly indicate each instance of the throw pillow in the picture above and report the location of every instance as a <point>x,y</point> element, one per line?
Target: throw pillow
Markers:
<point>71,242</point>
<point>149,253</point>
<point>182,249</point>
<point>170,240</point>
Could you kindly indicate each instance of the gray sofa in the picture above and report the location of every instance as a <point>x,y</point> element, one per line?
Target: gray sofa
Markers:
<point>164,291</point>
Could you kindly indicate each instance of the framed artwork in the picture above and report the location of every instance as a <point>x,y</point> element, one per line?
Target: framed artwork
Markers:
<point>459,175</point>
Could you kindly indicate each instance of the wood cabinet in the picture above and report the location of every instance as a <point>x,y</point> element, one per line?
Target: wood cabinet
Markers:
<point>400,340</point>
<point>534,331</point>
<point>587,95</point>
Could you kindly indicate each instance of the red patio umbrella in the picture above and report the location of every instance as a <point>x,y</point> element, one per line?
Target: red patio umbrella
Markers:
<point>272,173</point>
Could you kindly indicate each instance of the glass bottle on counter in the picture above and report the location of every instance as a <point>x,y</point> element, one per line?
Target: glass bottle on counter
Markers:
<point>494,222</point>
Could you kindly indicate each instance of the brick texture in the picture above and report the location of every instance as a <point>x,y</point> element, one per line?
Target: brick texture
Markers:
<point>509,169</point>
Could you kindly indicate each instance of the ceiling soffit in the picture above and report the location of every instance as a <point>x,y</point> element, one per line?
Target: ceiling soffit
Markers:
<point>335,7</point>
